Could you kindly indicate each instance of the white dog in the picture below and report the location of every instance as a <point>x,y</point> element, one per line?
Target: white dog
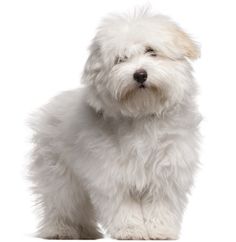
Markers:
<point>122,151</point>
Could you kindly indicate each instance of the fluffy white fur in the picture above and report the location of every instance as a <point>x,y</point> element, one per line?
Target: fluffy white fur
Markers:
<point>113,152</point>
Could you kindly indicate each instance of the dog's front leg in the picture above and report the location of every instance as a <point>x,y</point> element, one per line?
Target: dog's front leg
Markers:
<point>123,218</point>
<point>162,217</point>
<point>163,204</point>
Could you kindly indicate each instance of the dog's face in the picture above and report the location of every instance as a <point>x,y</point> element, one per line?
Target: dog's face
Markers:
<point>139,65</point>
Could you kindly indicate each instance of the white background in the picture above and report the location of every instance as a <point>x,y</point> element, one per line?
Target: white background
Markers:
<point>43,47</point>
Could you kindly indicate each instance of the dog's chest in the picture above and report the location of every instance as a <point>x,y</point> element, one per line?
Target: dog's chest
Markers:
<point>139,148</point>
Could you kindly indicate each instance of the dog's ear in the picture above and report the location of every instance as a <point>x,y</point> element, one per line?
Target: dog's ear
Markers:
<point>185,44</point>
<point>93,65</point>
<point>172,40</point>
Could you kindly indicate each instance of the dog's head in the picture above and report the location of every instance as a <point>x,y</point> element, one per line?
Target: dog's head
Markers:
<point>139,65</point>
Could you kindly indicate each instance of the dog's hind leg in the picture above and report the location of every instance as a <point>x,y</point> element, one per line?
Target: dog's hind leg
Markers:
<point>66,209</point>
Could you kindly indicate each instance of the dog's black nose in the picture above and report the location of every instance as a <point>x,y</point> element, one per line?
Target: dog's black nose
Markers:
<point>140,76</point>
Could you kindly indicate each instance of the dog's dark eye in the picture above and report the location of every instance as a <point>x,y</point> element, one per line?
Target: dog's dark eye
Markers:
<point>150,51</point>
<point>119,59</point>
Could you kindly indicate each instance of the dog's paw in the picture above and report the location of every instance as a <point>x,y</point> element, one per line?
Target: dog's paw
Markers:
<point>88,232</point>
<point>157,232</point>
<point>130,233</point>
<point>160,236</point>
<point>59,232</point>
<point>67,233</point>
